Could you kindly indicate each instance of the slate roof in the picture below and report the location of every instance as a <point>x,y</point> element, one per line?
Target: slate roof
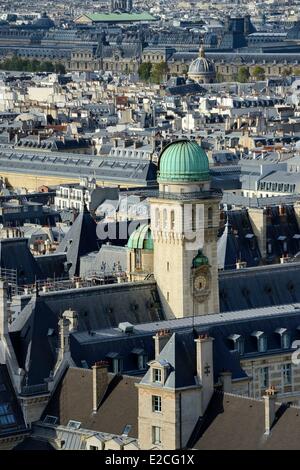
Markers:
<point>237,423</point>
<point>52,265</point>
<point>80,240</point>
<point>237,241</point>
<point>109,258</point>
<point>258,287</point>
<point>179,354</point>
<point>34,333</point>
<point>34,336</point>
<point>15,254</point>
<point>181,350</point>
<point>11,417</point>
<point>119,170</point>
<point>118,408</point>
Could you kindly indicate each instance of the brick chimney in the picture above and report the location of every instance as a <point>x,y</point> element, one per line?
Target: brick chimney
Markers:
<point>100,383</point>
<point>270,401</point>
<point>160,340</point>
<point>205,368</point>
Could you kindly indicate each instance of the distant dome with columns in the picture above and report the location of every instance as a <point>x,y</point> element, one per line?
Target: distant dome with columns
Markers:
<point>202,70</point>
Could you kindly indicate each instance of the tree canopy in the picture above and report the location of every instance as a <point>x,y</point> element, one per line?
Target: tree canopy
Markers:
<point>258,72</point>
<point>17,64</point>
<point>243,74</point>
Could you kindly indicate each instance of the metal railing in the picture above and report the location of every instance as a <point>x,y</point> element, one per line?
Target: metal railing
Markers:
<point>28,390</point>
<point>209,194</point>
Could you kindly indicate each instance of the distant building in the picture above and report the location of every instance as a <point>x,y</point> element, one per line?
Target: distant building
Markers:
<point>86,192</point>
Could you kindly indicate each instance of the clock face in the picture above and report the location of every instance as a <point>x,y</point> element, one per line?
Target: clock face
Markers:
<point>200,283</point>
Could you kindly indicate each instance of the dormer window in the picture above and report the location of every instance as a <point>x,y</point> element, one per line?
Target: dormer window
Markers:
<point>157,376</point>
<point>262,344</point>
<point>237,343</point>
<point>285,342</point>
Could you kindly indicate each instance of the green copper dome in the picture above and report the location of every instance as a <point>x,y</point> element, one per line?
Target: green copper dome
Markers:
<point>182,161</point>
<point>200,260</point>
<point>141,238</point>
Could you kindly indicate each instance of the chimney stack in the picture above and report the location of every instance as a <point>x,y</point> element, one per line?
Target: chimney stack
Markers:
<point>205,367</point>
<point>270,401</point>
<point>100,383</point>
<point>160,340</point>
<point>226,380</point>
<point>72,317</point>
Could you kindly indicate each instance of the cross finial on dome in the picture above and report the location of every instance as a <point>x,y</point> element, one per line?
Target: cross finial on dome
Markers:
<point>201,51</point>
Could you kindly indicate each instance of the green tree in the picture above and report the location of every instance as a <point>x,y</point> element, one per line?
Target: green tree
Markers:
<point>159,72</point>
<point>59,68</point>
<point>258,73</point>
<point>144,71</point>
<point>243,75</point>
<point>287,72</point>
<point>219,77</point>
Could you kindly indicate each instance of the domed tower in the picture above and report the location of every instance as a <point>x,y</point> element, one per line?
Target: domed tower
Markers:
<point>202,70</point>
<point>184,226</point>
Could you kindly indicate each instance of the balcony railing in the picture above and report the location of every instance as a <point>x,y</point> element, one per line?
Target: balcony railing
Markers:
<point>210,194</point>
<point>28,390</point>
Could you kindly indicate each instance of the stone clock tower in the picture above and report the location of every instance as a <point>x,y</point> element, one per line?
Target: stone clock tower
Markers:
<point>184,225</point>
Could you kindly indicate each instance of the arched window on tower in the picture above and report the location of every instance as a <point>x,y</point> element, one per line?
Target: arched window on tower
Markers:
<point>210,217</point>
<point>165,219</point>
<point>194,217</point>
<point>172,220</point>
<point>157,218</point>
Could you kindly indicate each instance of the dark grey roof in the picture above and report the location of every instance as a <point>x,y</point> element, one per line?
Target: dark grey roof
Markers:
<point>259,287</point>
<point>52,265</point>
<point>80,240</point>
<point>109,258</point>
<point>34,332</point>
<point>34,346</point>
<point>237,242</point>
<point>15,254</point>
<point>12,421</point>
<point>131,171</point>
<point>179,354</point>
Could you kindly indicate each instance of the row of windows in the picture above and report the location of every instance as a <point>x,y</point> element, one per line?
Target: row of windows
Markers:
<point>169,222</point>
<point>262,341</point>
<point>280,187</point>
<point>264,380</point>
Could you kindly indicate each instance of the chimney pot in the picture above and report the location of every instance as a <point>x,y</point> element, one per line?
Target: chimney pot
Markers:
<point>270,402</point>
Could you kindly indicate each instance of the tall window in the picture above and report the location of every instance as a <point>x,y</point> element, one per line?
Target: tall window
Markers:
<point>210,217</point>
<point>156,404</point>
<point>264,377</point>
<point>285,340</point>
<point>240,346</point>
<point>117,366</point>
<point>287,374</point>
<point>157,218</point>
<point>157,375</point>
<point>193,217</point>
<point>138,258</point>
<point>165,219</point>
<point>172,220</point>
<point>142,361</point>
<point>262,343</point>
<point>156,435</point>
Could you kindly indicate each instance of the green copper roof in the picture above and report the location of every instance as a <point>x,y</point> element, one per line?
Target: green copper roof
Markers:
<point>200,260</point>
<point>183,160</point>
<point>119,17</point>
<point>141,238</point>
